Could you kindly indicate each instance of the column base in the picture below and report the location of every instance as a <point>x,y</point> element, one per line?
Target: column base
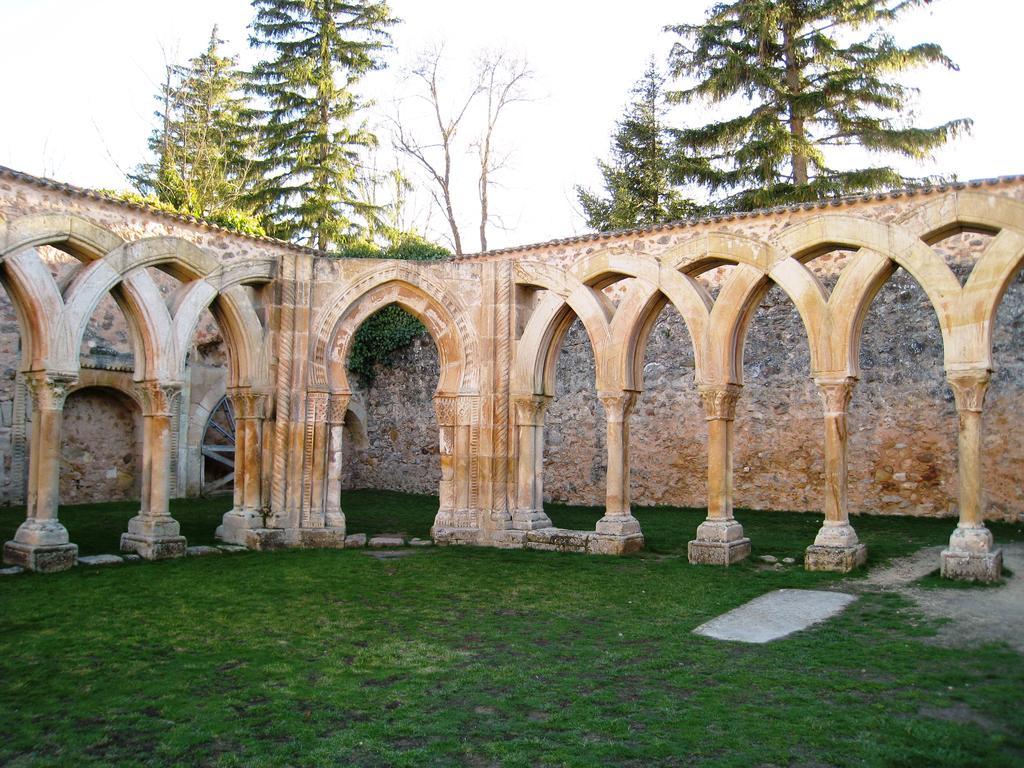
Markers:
<point>153,547</point>
<point>701,552</point>
<point>41,558</point>
<point>972,566</point>
<point>618,525</point>
<point>443,534</point>
<point>316,538</point>
<point>265,539</point>
<point>530,520</point>
<point>236,525</point>
<point>837,559</point>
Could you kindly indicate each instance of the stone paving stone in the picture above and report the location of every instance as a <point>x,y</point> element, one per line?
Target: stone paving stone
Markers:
<point>201,551</point>
<point>387,541</point>
<point>232,548</point>
<point>421,543</point>
<point>355,540</point>
<point>100,559</point>
<point>776,615</point>
<point>14,570</point>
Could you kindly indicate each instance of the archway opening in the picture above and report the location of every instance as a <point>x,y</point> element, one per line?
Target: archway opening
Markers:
<point>391,467</point>
<point>575,437</point>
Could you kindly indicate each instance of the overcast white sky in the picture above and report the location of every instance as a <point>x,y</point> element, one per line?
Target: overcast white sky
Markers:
<point>78,80</point>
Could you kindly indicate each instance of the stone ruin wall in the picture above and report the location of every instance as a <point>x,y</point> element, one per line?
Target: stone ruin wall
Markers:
<point>902,445</point>
<point>902,456</point>
<point>95,467</point>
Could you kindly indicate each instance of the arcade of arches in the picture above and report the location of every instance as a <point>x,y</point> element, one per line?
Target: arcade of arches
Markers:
<point>284,318</point>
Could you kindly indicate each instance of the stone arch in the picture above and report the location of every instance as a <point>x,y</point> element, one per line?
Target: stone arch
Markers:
<point>437,308</point>
<point>568,298</point>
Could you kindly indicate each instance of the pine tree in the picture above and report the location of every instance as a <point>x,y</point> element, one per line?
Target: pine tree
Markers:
<point>200,146</point>
<point>310,145</point>
<point>638,190</point>
<point>812,75</point>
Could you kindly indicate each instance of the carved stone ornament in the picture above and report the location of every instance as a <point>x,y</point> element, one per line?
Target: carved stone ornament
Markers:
<point>530,409</point>
<point>446,408</point>
<point>720,401</point>
<point>49,390</point>
<point>969,389</point>
<point>158,397</point>
<point>338,407</point>
<point>836,394</point>
<point>617,405</point>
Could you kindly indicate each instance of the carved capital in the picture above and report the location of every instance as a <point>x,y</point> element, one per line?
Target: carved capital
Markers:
<point>969,388</point>
<point>49,390</point>
<point>447,409</point>
<point>618,405</point>
<point>530,409</point>
<point>158,397</point>
<point>720,401</point>
<point>338,407</point>
<point>836,394</point>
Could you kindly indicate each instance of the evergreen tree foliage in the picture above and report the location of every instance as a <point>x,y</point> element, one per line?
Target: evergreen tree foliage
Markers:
<point>391,328</point>
<point>637,188</point>
<point>812,75</point>
<point>310,143</point>
<point>200,146</point>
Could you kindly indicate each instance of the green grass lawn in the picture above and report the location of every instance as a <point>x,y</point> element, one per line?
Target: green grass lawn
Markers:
<point>476,657</point>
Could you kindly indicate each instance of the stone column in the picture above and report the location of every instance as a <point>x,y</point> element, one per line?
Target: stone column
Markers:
<point>336,409</point>
<point>971,555</point>
<point>41,542</point>
<point>246,513</point>
<point>529,512</point>
<point>153,533</point>
<point>618,518</point>
<point>446,407</point>
<point>836,547</point>
<point>720,539</point>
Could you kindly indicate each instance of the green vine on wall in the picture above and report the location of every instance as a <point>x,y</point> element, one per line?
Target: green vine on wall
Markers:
<point>391,328</point>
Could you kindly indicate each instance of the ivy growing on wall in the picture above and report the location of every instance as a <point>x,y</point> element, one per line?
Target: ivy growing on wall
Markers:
<point>391,328</point>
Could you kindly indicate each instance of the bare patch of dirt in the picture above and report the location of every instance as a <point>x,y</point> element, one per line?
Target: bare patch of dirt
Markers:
<point>975,614</point>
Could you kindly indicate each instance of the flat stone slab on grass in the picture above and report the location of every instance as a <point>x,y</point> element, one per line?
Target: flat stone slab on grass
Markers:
<point>421,542</point>
<point>390,554</point>
<point>14,570</point>
<point>387,541</point>
<point>201,551</point>
<point>100,560</point>
<point>775,615</point>
<point>232,548</point>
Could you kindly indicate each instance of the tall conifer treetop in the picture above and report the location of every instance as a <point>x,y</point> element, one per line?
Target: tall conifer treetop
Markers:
<point>638,190</point>
<point>202,141</point>
<point>811,75</point>
<point>311,143</point>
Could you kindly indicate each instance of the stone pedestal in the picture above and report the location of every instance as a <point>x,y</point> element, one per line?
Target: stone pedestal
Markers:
<point>235,527</point>
<point>530,520</point>
<point>316,538</point>
<point>838,559</point>
<point>41,558</point>
<point>972,555</point>
<point>154,538</point>
<point>717,552</point>
<point>265,539</point>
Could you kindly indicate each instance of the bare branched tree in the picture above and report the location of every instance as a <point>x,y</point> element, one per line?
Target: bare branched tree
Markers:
<point>435,157</point>
<point>504,82</point>
<point>498,81</point>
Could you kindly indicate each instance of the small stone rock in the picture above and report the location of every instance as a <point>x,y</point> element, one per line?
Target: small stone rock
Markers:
<point>201,551</point>
<point>232,548</point>
<point>14,570</point>
<point>387,541</point>
<point>769,559</point>
<point>788,560</point>
<point>355,540</point>
<point>131,557</point>
<point>421,543</point>
<point>100,560</point>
